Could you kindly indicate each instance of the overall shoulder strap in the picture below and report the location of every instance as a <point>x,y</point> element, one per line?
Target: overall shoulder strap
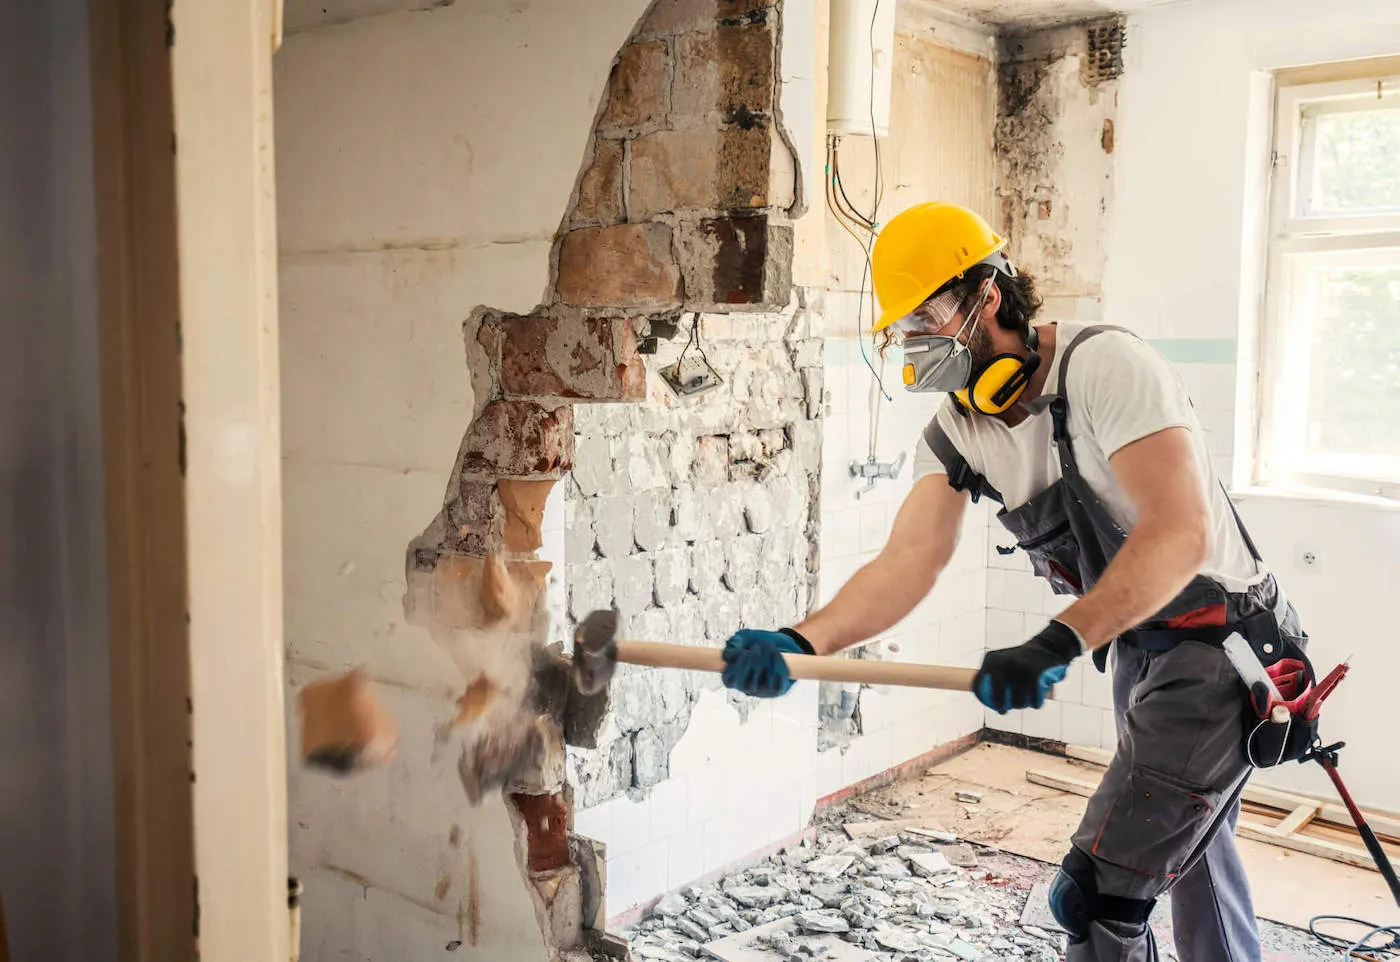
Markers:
<point>961,477</point>
<point>1060,412</point>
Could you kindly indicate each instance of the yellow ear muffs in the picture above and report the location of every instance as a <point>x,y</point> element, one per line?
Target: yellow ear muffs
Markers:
<point>999,383</point>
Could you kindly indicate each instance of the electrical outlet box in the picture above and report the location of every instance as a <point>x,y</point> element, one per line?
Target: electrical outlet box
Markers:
<point>691,375</point>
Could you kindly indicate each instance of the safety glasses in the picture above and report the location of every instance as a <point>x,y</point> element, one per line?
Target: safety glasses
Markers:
<point>931,316</point>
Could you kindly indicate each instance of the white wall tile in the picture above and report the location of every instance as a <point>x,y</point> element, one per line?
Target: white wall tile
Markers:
<point>1080,725</point>
<point>636,876</point>
<point>685,857</point>
<point>1005,629</point>
<point>1043,722</point>
<point>1024,592</point>
<point>1097,687</point>
<point>595,822</point>
<point>1108,730</point>
<point>670,807</point>
<point>629,825</point>
<point>840,532</point>
<point>996,589</point>
<point>874,527</point>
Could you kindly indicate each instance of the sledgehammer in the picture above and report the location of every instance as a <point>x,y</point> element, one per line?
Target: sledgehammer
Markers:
<point>597,651</point>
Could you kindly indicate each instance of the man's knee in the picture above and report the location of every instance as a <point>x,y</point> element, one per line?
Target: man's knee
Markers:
<point>1076,903</point>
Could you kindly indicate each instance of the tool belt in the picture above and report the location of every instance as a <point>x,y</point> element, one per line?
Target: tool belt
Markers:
<point>1280,675</point>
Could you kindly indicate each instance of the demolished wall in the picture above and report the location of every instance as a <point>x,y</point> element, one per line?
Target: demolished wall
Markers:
<point>1057,105</point>
<point>694,517</point>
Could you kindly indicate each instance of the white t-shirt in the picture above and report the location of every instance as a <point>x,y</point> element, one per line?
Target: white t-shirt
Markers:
<point>1119,391</point>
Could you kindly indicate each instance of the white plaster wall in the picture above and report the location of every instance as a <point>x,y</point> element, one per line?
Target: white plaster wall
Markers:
<point>425,159</point>
<point>1177,273</point>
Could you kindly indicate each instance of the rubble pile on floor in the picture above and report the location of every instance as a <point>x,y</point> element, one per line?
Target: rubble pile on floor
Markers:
<point>902,896</point>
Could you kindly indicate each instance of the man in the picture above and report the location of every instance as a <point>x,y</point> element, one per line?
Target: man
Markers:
<point>1088,437</point>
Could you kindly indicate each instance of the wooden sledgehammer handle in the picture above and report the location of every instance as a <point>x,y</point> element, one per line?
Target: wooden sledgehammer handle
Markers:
<point>654,654</point>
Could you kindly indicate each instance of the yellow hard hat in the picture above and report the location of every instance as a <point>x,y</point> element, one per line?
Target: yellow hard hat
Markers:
<point>923,248</point>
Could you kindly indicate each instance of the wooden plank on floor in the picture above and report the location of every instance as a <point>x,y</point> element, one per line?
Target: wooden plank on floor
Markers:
<point>1384,824</point>
<point>1301,843</point>
<point>1258,831</point>
<point>1298,818</point>
<point>1075,786</point>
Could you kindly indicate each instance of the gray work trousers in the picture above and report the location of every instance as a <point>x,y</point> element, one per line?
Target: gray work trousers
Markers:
<point>1163,818</point>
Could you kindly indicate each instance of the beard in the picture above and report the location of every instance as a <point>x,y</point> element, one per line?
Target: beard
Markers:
<point>980,346</point>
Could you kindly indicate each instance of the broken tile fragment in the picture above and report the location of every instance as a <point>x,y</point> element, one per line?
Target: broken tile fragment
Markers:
<point>930,864</point>
<point>830,866</point>
<point>818,921</point>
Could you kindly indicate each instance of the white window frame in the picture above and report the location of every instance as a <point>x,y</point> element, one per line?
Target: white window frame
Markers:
<point>1293,240</point>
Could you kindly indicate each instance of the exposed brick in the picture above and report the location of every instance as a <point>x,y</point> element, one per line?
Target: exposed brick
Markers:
<point>475,518</point>
<point>600,190</point>
<point>674,16</point>
<point>736,262</point>
<point>626,266</point>
<point>637,87</point>
<point>524,512</point>
<point>520,438</point>
<point>703,167</point>
<point>728,72</point>
<point>587,359</point>
<point>546,830</point>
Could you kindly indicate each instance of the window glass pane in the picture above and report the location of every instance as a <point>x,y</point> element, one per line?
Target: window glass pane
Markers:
<point>1355,162</point>
<point>1353,367</point>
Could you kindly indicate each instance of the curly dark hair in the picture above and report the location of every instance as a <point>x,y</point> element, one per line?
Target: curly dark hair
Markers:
<point>1020,302</point>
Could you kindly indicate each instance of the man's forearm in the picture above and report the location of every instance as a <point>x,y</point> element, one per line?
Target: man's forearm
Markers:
<point>877,597</point>
<point>1158,559</point>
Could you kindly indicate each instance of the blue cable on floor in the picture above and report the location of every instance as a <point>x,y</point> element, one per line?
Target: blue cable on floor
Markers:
<point>1384,949</point>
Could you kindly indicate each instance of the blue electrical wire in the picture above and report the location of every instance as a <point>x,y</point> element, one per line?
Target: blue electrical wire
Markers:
<point>1382,950</point>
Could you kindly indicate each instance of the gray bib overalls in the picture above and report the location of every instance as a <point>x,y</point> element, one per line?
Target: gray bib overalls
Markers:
<point>1163,817</point>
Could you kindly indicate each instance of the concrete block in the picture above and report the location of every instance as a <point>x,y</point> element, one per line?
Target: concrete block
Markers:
<point>612,521</point>
<point>520,438</point>
<point>593,470</point>
<point>637,89</point>
<point>579,537</point>
<point>585,359</point>
<point>672,576</point>
<point>633,584</point>
<point>623,266</point>
<point>600,190</point>
<point>741,555</point>
<point>650,758</point>
<point>651,518</point>
<point>590,588</point>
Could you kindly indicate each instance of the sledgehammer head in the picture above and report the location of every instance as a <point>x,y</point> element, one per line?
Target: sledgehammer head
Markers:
<point>595,651</point>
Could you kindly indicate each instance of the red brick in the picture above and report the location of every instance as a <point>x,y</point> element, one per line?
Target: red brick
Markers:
<point>704,167</point>
<point>600,190</point>
<point>737,262</point>
<point>586,359</point>
<point>625,266</point>
<point>675,16</point>
<point>546,830</point>
<point>520,438</point>
<point>475,517</point>
<point>637,87</point>
<point>727,73</point>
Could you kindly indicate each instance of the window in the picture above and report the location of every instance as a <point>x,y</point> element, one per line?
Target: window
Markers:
<point>1330,346</point>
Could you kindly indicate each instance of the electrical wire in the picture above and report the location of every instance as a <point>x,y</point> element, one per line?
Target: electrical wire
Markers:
<point>1383,950</point>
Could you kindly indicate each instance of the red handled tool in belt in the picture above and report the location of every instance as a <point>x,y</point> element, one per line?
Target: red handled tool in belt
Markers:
<point>1282,694</point>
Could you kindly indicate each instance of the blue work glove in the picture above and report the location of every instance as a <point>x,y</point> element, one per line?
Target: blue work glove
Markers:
<point>754,661</point>
<point>1021,677</point>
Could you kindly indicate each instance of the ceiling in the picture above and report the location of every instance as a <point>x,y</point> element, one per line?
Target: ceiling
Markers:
<point>1021,14</point>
